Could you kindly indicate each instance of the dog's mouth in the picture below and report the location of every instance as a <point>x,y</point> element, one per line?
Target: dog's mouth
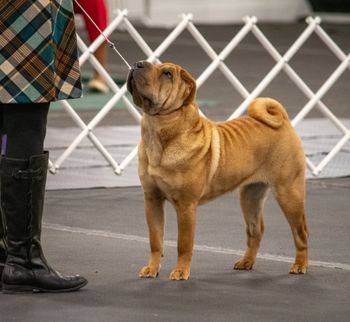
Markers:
<point>129,81</point>
<point>137,67</point>
<point>143,100</point>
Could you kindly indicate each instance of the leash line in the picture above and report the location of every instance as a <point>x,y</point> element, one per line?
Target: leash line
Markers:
<point>110,43</point>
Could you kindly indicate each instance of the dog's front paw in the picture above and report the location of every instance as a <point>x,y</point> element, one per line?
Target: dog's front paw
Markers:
<point>149,271</point>
<point>179,274</point>
<point>298,269</point>
<point>244,264</point>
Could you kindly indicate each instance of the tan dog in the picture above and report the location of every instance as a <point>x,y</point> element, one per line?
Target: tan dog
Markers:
<point>188,160</point>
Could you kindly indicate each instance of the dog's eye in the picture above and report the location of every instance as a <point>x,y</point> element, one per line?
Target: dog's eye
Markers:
<point>167,73</point>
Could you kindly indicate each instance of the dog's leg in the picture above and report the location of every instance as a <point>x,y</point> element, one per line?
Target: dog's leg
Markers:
<point>154,211</point>
<point>186,221</point>
<point>291,200</point>
<point>252,202</point>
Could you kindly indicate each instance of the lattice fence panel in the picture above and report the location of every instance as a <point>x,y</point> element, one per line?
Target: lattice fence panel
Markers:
<point>217,63</point>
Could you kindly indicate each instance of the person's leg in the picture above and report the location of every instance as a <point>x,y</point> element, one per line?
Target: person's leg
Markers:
<point>97,10</point>
<point>3,251</point>
<point>101,55</point>
<point>24,127</point>
<point>23,179</point>
<point>22,135</point>
<point>3,248</point>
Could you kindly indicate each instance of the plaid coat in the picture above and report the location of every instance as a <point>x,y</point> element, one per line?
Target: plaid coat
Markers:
<point>38,51</point>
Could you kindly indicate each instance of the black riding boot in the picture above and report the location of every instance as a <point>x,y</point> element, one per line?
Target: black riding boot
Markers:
<point>22,199</point>
<point>3,252</point>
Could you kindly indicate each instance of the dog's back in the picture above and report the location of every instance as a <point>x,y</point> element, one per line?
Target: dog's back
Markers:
<point>261,146</point>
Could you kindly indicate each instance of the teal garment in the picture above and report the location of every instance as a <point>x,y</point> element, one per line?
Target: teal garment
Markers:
<point>38,51</point>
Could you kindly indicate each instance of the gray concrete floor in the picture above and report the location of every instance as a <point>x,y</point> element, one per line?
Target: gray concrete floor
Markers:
<point>101,233</point>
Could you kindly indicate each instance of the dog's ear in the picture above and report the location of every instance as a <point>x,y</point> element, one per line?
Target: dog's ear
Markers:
<point>190,93</point>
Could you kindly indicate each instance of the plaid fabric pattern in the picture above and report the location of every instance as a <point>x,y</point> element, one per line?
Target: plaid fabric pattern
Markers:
<point>38,51</point>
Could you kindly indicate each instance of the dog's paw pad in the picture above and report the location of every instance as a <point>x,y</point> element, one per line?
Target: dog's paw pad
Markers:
<point>298,269</point>
<point>149,272</point>
<point>243,264</point>
<point>179,274</point>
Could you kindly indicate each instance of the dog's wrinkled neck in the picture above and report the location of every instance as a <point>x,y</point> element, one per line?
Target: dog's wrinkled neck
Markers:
<point>160,130</point>
<point>176,123</point>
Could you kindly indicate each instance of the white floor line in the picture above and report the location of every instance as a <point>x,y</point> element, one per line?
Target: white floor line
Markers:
<point>203,248</point>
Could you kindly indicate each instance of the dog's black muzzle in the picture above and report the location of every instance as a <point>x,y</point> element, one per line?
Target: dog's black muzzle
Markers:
<point>137,67</point>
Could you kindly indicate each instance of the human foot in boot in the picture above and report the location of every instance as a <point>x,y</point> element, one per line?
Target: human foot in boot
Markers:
<point>3,252</point>
<point>22,199</point>
<point>3,256</point>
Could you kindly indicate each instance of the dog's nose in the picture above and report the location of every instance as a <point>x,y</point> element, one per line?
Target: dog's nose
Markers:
<point>141,64</point>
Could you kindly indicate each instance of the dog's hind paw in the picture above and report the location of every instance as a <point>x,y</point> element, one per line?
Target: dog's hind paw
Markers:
<point>149,272</point>
<point>298,269</point>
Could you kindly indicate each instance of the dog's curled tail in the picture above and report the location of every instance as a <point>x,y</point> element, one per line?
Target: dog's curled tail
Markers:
<point>268,111</point>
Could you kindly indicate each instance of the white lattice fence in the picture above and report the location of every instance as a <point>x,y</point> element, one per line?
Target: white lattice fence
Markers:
<point>217,62</point>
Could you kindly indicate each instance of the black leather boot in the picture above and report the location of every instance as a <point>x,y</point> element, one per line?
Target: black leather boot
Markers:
<point>3,252</point>
<point>22,198</point>
<point>3,249</point>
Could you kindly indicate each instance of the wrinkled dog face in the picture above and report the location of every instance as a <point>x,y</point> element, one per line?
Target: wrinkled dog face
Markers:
<point>160,88</point>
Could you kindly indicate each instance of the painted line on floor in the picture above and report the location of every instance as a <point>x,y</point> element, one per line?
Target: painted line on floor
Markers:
<point>202,248</point>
